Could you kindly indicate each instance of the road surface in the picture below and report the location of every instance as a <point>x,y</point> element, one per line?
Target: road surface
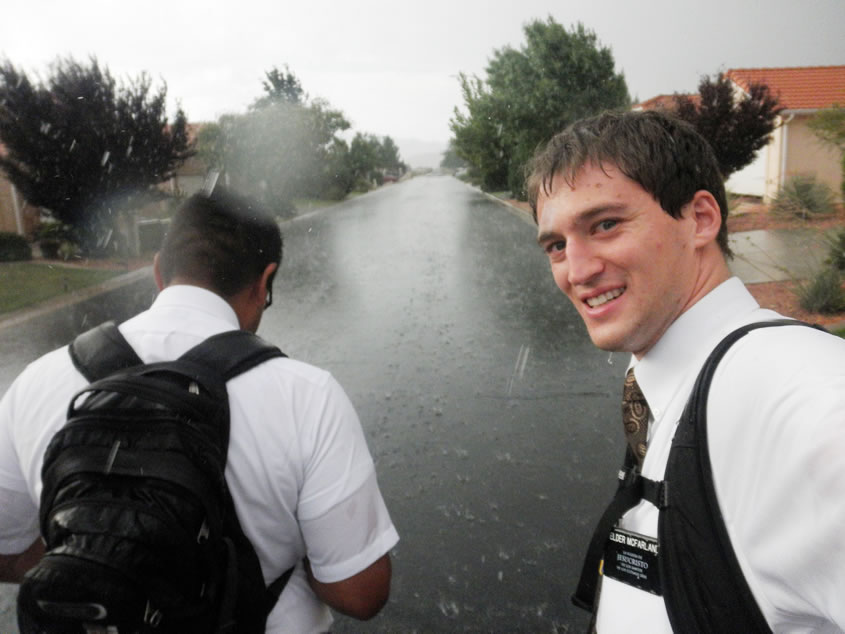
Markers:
<point>493,421</point>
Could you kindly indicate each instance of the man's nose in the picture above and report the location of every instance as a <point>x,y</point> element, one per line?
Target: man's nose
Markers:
<point>583,261</point>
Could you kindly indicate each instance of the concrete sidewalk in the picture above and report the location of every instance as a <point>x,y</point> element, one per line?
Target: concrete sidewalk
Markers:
<point>778,254</point>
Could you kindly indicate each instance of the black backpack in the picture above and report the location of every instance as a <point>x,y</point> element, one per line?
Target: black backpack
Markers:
<point>703,585</point>
<point>140,530</point>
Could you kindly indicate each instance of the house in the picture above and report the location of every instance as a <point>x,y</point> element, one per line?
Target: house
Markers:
<point>793,149</point>
<point>16,215</point>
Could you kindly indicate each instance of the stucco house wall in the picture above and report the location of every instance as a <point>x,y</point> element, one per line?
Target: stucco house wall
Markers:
<point>807,155</point>
<point>752,179</point>
<point>16,216</point>
<point>794,149</point>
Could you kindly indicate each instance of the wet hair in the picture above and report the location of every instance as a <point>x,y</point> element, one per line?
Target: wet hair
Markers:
<point>666,156</point>
<point>222,241</point>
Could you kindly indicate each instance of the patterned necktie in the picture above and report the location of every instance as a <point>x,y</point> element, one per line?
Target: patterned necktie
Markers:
<point>635,417</point>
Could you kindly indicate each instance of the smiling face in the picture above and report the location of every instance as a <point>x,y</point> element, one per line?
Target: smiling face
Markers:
<point>629,268</point>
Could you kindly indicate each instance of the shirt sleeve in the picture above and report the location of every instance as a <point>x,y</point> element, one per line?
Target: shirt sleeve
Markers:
<point>351,536</point>
<point>18,514</point>
<point>18,522</point>
<point>778,467</point>
<point>342,515</point>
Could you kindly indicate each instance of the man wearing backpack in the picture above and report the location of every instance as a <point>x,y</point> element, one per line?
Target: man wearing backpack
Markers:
<point>631,211</point>
<point>299,470</point>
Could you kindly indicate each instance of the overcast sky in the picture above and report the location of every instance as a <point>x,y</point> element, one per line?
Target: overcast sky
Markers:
<point>391,66</point>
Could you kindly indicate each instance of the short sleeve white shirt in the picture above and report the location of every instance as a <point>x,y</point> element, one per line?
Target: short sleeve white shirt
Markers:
<point>299,469</point>
<point>776,435</point>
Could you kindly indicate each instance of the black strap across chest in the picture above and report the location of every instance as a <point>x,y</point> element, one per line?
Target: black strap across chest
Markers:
<point>703,585</point>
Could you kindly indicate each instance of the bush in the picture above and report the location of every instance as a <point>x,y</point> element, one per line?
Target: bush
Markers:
<point>54,239</point>
<point>14,247</point>
<point>823,294</point>
<point>836,257</point>
<point>802,196</point>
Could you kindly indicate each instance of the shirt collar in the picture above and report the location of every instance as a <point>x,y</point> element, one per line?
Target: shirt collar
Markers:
<point>195,299</point>
<point>678,355</point>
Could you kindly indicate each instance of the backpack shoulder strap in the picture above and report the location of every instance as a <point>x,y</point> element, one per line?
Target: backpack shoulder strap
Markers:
<point>229,354</point>
<point>102,351</point>
<point>633,488</point>
<point>232,352</point>
<point>703,584</point>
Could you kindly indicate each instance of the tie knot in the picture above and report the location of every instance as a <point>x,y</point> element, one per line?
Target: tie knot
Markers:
<point>631,392</point>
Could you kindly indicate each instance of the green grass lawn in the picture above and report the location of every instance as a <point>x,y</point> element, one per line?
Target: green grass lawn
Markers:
<point>25,284</point>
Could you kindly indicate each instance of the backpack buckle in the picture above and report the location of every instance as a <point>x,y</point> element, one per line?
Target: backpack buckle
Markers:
<point>152,617</point>
<point>204,532</point>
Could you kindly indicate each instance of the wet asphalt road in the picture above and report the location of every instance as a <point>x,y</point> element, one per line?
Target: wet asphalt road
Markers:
<point>492,419</point>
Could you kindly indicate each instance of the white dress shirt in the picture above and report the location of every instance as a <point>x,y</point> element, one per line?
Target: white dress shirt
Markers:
<point>299,469</point>
<point>776,434</point>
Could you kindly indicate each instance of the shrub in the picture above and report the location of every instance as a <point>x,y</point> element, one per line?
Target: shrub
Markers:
<point>14,247</point>
<point>52,230</point>
<point>836,256</point>
<point>823,294</point>
<point>67,250</point>
<point>51,237</point>
<point>802,196</point>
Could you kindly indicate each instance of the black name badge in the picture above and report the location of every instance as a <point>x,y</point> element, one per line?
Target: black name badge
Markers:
<point>632,559</point>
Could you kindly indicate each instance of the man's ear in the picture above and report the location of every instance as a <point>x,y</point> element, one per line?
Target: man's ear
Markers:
<point>264,280</point>
<point>707,216</point>
<point>269,270</point>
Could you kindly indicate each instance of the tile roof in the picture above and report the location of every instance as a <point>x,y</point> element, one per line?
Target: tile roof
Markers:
<point>666,102</point>
<point>797,88</point>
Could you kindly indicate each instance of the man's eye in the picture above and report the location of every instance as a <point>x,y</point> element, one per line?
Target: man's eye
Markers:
<point>556,247</point>
<point>607,225</point>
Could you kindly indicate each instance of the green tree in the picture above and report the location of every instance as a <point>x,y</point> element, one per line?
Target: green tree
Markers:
<point>389,159</point>
<point>281,148</point>
<point>829,126</point>
<point>337,176</point>
<point>478,136</point>
<point>360,164</point>
<point>736,127</point>
<point>288,146</point>
<point>530,94</point>
<point>450,159</point>
<point>84,147</point>
<point>364,160</point>
<point>210,144</point>
<point>275,153</point>
<point>281,87</point>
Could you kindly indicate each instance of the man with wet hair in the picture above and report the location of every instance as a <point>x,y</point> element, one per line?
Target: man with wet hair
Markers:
<point>631,212</point>
<point>301,475</point>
